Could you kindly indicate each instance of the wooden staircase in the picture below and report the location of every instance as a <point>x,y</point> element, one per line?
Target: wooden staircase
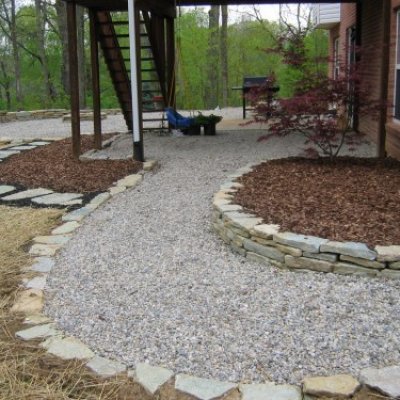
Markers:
<point>113,36</point>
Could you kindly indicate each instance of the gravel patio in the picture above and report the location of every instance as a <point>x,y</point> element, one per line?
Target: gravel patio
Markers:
<point>145,279</point>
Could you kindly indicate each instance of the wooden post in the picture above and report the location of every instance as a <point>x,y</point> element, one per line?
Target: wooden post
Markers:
<point>171,64</point>
<point>136,83</point>
<point>386,14</point>
<point>74,79</point>
<point>356,119</point>
<point>94,52</point>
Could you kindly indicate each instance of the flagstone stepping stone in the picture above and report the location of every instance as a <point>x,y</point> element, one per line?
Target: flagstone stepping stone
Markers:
<point>39,282</point>
<point>77,215</point>
<point>151,378</point>
<point>57,199</point>
<point>44,249</point>
<point>39,143</point>
<point>386,380</point>
<point>53,239</point>
<point>6,189</point>
<point>202,389</point>
<point>29,302</point>
<point>117,189</point>
<point>27,194</point>
<point>36,319</point>
<point>38,332</point>
<point>7,153</point>
<point>43,264</point>
<point>67,348</point>
<point>105,367</point>
<point>68,227</point>
<point>343,386</point>
<point>100,199</point>
<point>22,148</point>
<point>270,391</point>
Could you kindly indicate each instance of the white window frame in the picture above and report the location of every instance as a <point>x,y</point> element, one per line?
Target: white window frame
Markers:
<point>396,94</point>
<point>336,64</point>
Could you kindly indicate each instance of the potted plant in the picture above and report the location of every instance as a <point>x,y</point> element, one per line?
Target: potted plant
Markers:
<point>208,122</point>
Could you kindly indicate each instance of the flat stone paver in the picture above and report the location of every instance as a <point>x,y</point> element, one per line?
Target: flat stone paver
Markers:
<point>270,391</point>
<point>44,249</point>
<point>52,239</point>
<point>343,386</point>
<point>353,249</point>
<point>61,199</point>
<point>105,367</point>
<point>38,332</point>
<point>7,153</point>
<point>202,389</point>
<point>22,148</point>
<point>27,194</point>
<point>68,348</point>
<point>386,380</point>
<point>151,377</point>
<point>77,215</point>
<point>42,264</point>
<point>39,143</point>
<point>6,189</point>
<point>39,282</point>
<point>66,228</point>
<point>311,244</point>
<point>29,302</point>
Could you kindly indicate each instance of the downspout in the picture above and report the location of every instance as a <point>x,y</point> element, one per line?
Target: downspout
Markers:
<point>381,150</point>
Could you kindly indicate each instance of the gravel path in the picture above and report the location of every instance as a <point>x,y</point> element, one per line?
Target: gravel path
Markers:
<point>145,279</point>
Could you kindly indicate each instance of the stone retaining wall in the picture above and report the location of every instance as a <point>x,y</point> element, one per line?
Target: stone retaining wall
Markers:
<point>249,236</point>
<point>45,114</point>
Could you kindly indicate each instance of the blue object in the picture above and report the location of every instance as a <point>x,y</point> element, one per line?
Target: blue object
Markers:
<point>178,121</point>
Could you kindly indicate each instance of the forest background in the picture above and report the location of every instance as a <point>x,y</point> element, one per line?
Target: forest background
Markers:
<point>214,51</point>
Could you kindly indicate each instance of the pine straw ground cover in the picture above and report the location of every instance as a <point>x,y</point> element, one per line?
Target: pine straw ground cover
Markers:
<point>26,372</point>
<point>346,199</point>
<point>53,167</point>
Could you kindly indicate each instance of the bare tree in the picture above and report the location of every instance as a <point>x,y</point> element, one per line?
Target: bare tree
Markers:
<point>61,11</point>
<point>224,54</point>
<point>40,8</point>
<point>213,57</point>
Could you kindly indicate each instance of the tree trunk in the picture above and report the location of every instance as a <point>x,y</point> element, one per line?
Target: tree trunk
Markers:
<point>80,17</point>
<point>61,10</point>
<point>213,57</point>
<point>41,35</point>
<point>224,55</point>
<point>15,48</point>
<point>6,84</point>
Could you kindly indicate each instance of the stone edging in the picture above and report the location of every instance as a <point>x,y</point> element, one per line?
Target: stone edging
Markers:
<point>247,235</point>
<point>50,114</point>
<point>161,383</point>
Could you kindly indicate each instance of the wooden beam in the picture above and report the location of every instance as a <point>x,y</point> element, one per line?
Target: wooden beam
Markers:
<point>74,79</point>
<point>94,53</point>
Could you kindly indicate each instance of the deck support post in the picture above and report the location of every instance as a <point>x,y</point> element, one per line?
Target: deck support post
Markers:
<point>74,78</point>
<point>94,53</point>
<point>134,44</point>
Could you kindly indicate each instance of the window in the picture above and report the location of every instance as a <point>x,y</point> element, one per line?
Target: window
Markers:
<point>397,76</point>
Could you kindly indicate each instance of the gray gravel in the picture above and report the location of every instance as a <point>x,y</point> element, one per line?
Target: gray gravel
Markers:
<point>55,128</point>
<point>145,279</point>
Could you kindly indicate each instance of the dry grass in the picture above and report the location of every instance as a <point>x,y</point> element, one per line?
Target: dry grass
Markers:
<point>26,372</point>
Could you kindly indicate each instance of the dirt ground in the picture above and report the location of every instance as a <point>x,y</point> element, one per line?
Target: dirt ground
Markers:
<point>346,199</point>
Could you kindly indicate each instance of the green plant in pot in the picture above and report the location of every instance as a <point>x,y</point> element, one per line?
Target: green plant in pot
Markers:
<point>209,122</point>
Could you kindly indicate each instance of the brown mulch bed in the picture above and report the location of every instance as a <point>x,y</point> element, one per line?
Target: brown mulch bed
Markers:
<point>346,199</point>
<point>53,167</point>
